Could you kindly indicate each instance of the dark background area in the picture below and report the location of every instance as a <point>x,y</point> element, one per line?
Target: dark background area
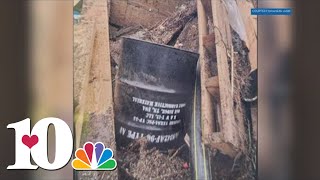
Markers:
<point>14,88</point>
<point>306,87</point>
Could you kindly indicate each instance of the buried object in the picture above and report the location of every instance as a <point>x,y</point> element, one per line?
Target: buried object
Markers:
<point>153,93</point>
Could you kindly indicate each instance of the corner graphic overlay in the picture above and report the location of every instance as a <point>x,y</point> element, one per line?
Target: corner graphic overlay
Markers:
<point>93,157</point>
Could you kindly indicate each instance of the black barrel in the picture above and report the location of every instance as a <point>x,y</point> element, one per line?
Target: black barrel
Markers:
<point>154,93</point>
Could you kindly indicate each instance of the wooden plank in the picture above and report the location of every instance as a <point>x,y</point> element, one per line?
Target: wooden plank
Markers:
<point>250,25</point>
<point>166,30</point>
<point>84,34</point>
<point>99,102</point>
<point>100,86</point>
<point>206,103</point>
<point>188,39</point>
<point>223,46</point>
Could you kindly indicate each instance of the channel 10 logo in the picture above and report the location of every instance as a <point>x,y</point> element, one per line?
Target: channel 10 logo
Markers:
<point>34,142</point>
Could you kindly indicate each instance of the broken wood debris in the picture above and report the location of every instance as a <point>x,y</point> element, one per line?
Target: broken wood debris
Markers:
<point>173,26</point>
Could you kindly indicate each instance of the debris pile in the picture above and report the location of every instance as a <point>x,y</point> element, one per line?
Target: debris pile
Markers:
<point>224,35</point>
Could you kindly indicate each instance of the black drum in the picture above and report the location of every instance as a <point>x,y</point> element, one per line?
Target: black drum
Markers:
<point>153,93</point>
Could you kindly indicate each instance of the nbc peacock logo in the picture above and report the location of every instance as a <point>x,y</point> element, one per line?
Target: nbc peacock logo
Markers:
<point>94,157</point>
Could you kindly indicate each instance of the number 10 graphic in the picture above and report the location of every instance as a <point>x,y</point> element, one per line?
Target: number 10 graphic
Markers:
<point>35,143</point>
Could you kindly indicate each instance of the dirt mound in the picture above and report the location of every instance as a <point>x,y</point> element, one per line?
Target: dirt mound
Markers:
<point>138,162</point>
